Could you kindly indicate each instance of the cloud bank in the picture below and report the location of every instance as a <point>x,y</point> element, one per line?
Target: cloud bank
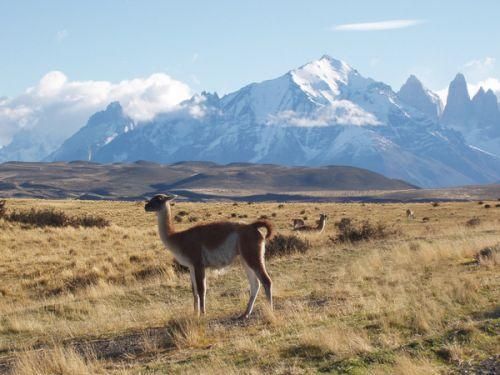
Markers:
<point>377,26</point>
<point>57,107</point>
<point>341,112</point>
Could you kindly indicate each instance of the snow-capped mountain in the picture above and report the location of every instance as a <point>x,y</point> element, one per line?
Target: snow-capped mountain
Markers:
<point>322,113</point>
<point>101,128</point>
<point>416,95</point>
<point>478,119</point>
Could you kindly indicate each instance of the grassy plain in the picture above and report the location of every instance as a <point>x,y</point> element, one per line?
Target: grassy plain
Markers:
<point>88,300</point>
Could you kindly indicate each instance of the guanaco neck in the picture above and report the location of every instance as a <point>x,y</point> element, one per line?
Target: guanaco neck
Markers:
<point>321,225</point>
<point>165,224</point>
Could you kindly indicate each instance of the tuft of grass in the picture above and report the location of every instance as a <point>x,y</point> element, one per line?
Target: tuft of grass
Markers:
<point>473,222</point>
<point>187,333</point>
<point>281,245</point>
<point>488,255</point>
<point>339,340</point>
<point>63,361</point>
<point>49,217</point>
<point>364,231</point>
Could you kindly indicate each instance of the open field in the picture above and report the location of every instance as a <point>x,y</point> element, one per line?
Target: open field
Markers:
<point>89,300</point>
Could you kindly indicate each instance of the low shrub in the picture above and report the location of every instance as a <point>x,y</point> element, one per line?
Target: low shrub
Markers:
<point>487,206</point>
<point>435,204</point>
<point>488,254</point>
<point>473,222</point>
<point>49,217</point>
<point>348,231</point>
<point>281,245</point>
<point>3,209</point>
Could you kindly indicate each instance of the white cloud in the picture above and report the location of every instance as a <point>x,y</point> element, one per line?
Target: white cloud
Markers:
<point>374,61</point>
<point>479,69</point>
<point>57,107</point>
<point>342,112</point>
<point>488,83</point>
<point>486,63</point>
<point>61,35</point>
<point>377,26</point>
<point>195,79</point>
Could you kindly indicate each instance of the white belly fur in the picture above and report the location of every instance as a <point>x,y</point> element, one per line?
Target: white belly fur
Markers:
<point>223,255</point>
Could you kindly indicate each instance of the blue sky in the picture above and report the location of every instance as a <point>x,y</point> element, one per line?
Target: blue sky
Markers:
<point>223,45</point>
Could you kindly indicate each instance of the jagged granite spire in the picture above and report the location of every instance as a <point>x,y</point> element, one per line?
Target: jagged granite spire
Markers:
<point>413,93</point>
<point>458,110</point>
<point>485,107</point>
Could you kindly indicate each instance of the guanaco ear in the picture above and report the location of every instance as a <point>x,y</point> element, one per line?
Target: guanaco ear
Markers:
<point>170,197</point>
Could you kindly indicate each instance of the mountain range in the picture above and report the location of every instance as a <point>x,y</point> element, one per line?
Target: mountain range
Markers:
<point>322,113</point>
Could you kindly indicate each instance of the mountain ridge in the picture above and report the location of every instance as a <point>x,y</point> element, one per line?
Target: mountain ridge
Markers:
<point>324,112</point>
<point>89,180</point>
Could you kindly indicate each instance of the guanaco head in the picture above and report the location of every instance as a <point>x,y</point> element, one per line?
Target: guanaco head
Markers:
<point>158,201</point>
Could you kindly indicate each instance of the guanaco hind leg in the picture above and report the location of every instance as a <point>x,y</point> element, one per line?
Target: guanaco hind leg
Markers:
<point>254,289</point>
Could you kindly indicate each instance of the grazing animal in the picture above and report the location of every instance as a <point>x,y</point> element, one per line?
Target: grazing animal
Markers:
<point>410,214</point>
<point>319,228</point>
<point>298,223</point>
<point>215,245</point>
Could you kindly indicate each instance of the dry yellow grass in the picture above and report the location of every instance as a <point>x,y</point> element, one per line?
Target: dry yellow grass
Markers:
<point>88,300</point>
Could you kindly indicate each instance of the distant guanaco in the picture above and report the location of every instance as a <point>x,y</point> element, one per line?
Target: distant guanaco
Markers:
<point>410,214</point>
<point>319,228</point>
<point>215,245</point>
<point>298,223</point>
